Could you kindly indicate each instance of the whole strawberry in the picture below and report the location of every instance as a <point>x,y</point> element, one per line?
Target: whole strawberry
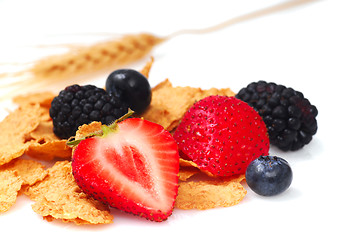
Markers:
<point>133,166</point>
<point>222,135</point>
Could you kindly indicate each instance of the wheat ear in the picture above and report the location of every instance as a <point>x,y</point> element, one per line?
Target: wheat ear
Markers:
<point>97,57</point>
<point>81,60</point>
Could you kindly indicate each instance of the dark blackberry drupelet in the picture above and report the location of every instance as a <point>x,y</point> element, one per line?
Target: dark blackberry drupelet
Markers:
<point>77,105</point>
<point>290,117</point>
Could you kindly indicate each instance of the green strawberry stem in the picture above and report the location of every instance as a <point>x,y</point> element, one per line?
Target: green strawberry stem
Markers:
<point>105,130</point>
<point>127,115</point>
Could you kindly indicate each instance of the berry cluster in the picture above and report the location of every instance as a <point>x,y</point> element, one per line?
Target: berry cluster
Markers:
<point>77,105</point>
<point>223,136</point>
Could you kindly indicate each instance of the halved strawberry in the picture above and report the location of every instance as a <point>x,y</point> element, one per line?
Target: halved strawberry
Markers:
<point>133,168</point>
<point>222,135</point>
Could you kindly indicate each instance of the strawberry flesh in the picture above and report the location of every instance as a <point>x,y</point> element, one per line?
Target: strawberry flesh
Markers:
<point>134,169</point>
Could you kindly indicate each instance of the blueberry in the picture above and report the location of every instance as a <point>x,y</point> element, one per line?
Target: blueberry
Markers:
<point>269,175</point>
<point>131,87</point>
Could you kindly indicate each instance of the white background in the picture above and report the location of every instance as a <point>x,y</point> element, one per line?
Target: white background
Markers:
<point>312,48</point>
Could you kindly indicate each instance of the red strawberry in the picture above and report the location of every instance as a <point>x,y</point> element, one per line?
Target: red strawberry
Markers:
<point>222,135</point>
<point>133,168</point>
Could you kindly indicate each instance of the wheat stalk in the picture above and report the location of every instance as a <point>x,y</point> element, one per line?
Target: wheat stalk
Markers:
<point>80,60</point>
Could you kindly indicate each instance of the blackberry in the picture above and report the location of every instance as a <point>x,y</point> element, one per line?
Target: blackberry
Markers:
<point>290,117</point>
<point>77,105</point>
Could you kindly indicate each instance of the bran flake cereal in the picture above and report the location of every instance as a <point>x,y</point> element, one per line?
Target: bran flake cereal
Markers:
<point>10,185</point>
<point>46,145</point>
<point>30,171</point>
<point>43,144</point>
<point>15,176</point>
<point>42,98</point>
<point>146,69</point>
<point>15,131</point>
<point>207,194</point>
<point>87,129</point>
<point>187,169</point>
<point>59,197</point>
<point>187,172</point>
